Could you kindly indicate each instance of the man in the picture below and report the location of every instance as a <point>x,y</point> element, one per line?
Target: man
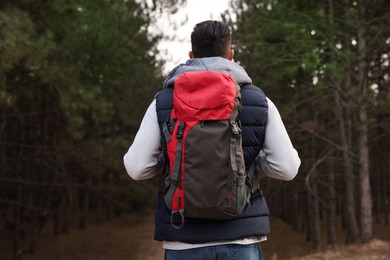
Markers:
<point>265,141</point>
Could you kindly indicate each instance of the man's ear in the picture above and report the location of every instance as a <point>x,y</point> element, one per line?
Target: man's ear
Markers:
<point>230,54</point>
<point>191,54</point>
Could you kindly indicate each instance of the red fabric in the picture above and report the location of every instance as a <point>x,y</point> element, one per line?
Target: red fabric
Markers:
<point>204,95</point>
<point>172,146</point>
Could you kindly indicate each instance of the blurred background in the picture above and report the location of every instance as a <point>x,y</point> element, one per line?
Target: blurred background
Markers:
<point>77,76</point>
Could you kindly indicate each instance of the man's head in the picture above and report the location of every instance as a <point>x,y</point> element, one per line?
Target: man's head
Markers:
<point>210,39</point>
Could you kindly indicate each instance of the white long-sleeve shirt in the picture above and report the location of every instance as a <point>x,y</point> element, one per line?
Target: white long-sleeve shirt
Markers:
<point>278,158</point>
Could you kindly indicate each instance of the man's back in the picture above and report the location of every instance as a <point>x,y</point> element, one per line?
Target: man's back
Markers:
<point>265,140</point>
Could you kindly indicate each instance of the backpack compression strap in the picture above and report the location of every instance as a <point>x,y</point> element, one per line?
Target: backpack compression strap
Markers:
<point>174,180</point>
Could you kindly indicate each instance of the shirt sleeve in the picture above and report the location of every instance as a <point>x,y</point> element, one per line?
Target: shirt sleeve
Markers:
<point>278,158</point>
<point>141,160</point>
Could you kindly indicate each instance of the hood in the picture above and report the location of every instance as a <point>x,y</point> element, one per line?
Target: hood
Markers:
<point>218,64</point>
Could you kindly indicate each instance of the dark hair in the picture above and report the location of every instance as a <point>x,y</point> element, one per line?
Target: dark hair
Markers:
<point>211,38</point>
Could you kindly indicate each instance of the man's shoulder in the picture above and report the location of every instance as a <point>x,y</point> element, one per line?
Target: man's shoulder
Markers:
<point>164,92</point>
<point>164,104</point>
<point>251,94</point>
<point>252,87</point>
<point>163,96</point>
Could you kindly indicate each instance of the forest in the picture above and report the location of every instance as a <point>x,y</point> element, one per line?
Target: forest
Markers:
<point>77,76</point>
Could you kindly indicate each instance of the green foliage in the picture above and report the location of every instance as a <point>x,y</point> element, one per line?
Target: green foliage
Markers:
<point>279,43</point>
<point>75,80</point>
<point>302,53</point>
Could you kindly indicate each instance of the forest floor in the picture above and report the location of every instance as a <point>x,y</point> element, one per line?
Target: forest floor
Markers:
<point>130,237</point>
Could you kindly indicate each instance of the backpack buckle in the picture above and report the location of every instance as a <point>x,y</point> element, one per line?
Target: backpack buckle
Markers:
<point>169,125</point>
<point>235,127</point>
<point>180,130</point>
<point>165,130</point>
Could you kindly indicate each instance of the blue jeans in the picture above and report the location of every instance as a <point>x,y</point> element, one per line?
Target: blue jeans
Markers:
<point>223,252</point>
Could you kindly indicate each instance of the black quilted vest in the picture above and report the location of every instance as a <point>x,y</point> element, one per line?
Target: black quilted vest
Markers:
<point>254,221</point>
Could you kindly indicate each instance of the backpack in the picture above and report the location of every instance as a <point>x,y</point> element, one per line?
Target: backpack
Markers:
<point>207,178</point>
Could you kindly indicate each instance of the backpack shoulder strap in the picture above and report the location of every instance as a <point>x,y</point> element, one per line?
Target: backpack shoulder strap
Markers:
<point>164,106</point>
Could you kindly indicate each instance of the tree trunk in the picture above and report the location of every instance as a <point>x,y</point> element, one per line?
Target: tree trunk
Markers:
<point>343,115</point>
<point>350,216</point>
<point>16,223</point>
<point>69,193</point>
<point>385,201</point>
<point>364,172</point>
<point>331,211</point>
<point>84,208</point>
<point>316,218</point>
<point>364,180</point>
<point>313,201</point>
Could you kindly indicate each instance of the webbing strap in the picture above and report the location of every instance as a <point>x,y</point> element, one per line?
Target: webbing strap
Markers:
<point>235,140</point>
<point>238,142</point>
<point>173,180</point>
<point>235,147</point>
<point>177,163</point>
<point>251,171</point>
<point>167,129</point>
<point>251,179</point>
<point>233,164</point>
<point>166,132</point>
<point>170,192</point>
<point>255,179</point>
